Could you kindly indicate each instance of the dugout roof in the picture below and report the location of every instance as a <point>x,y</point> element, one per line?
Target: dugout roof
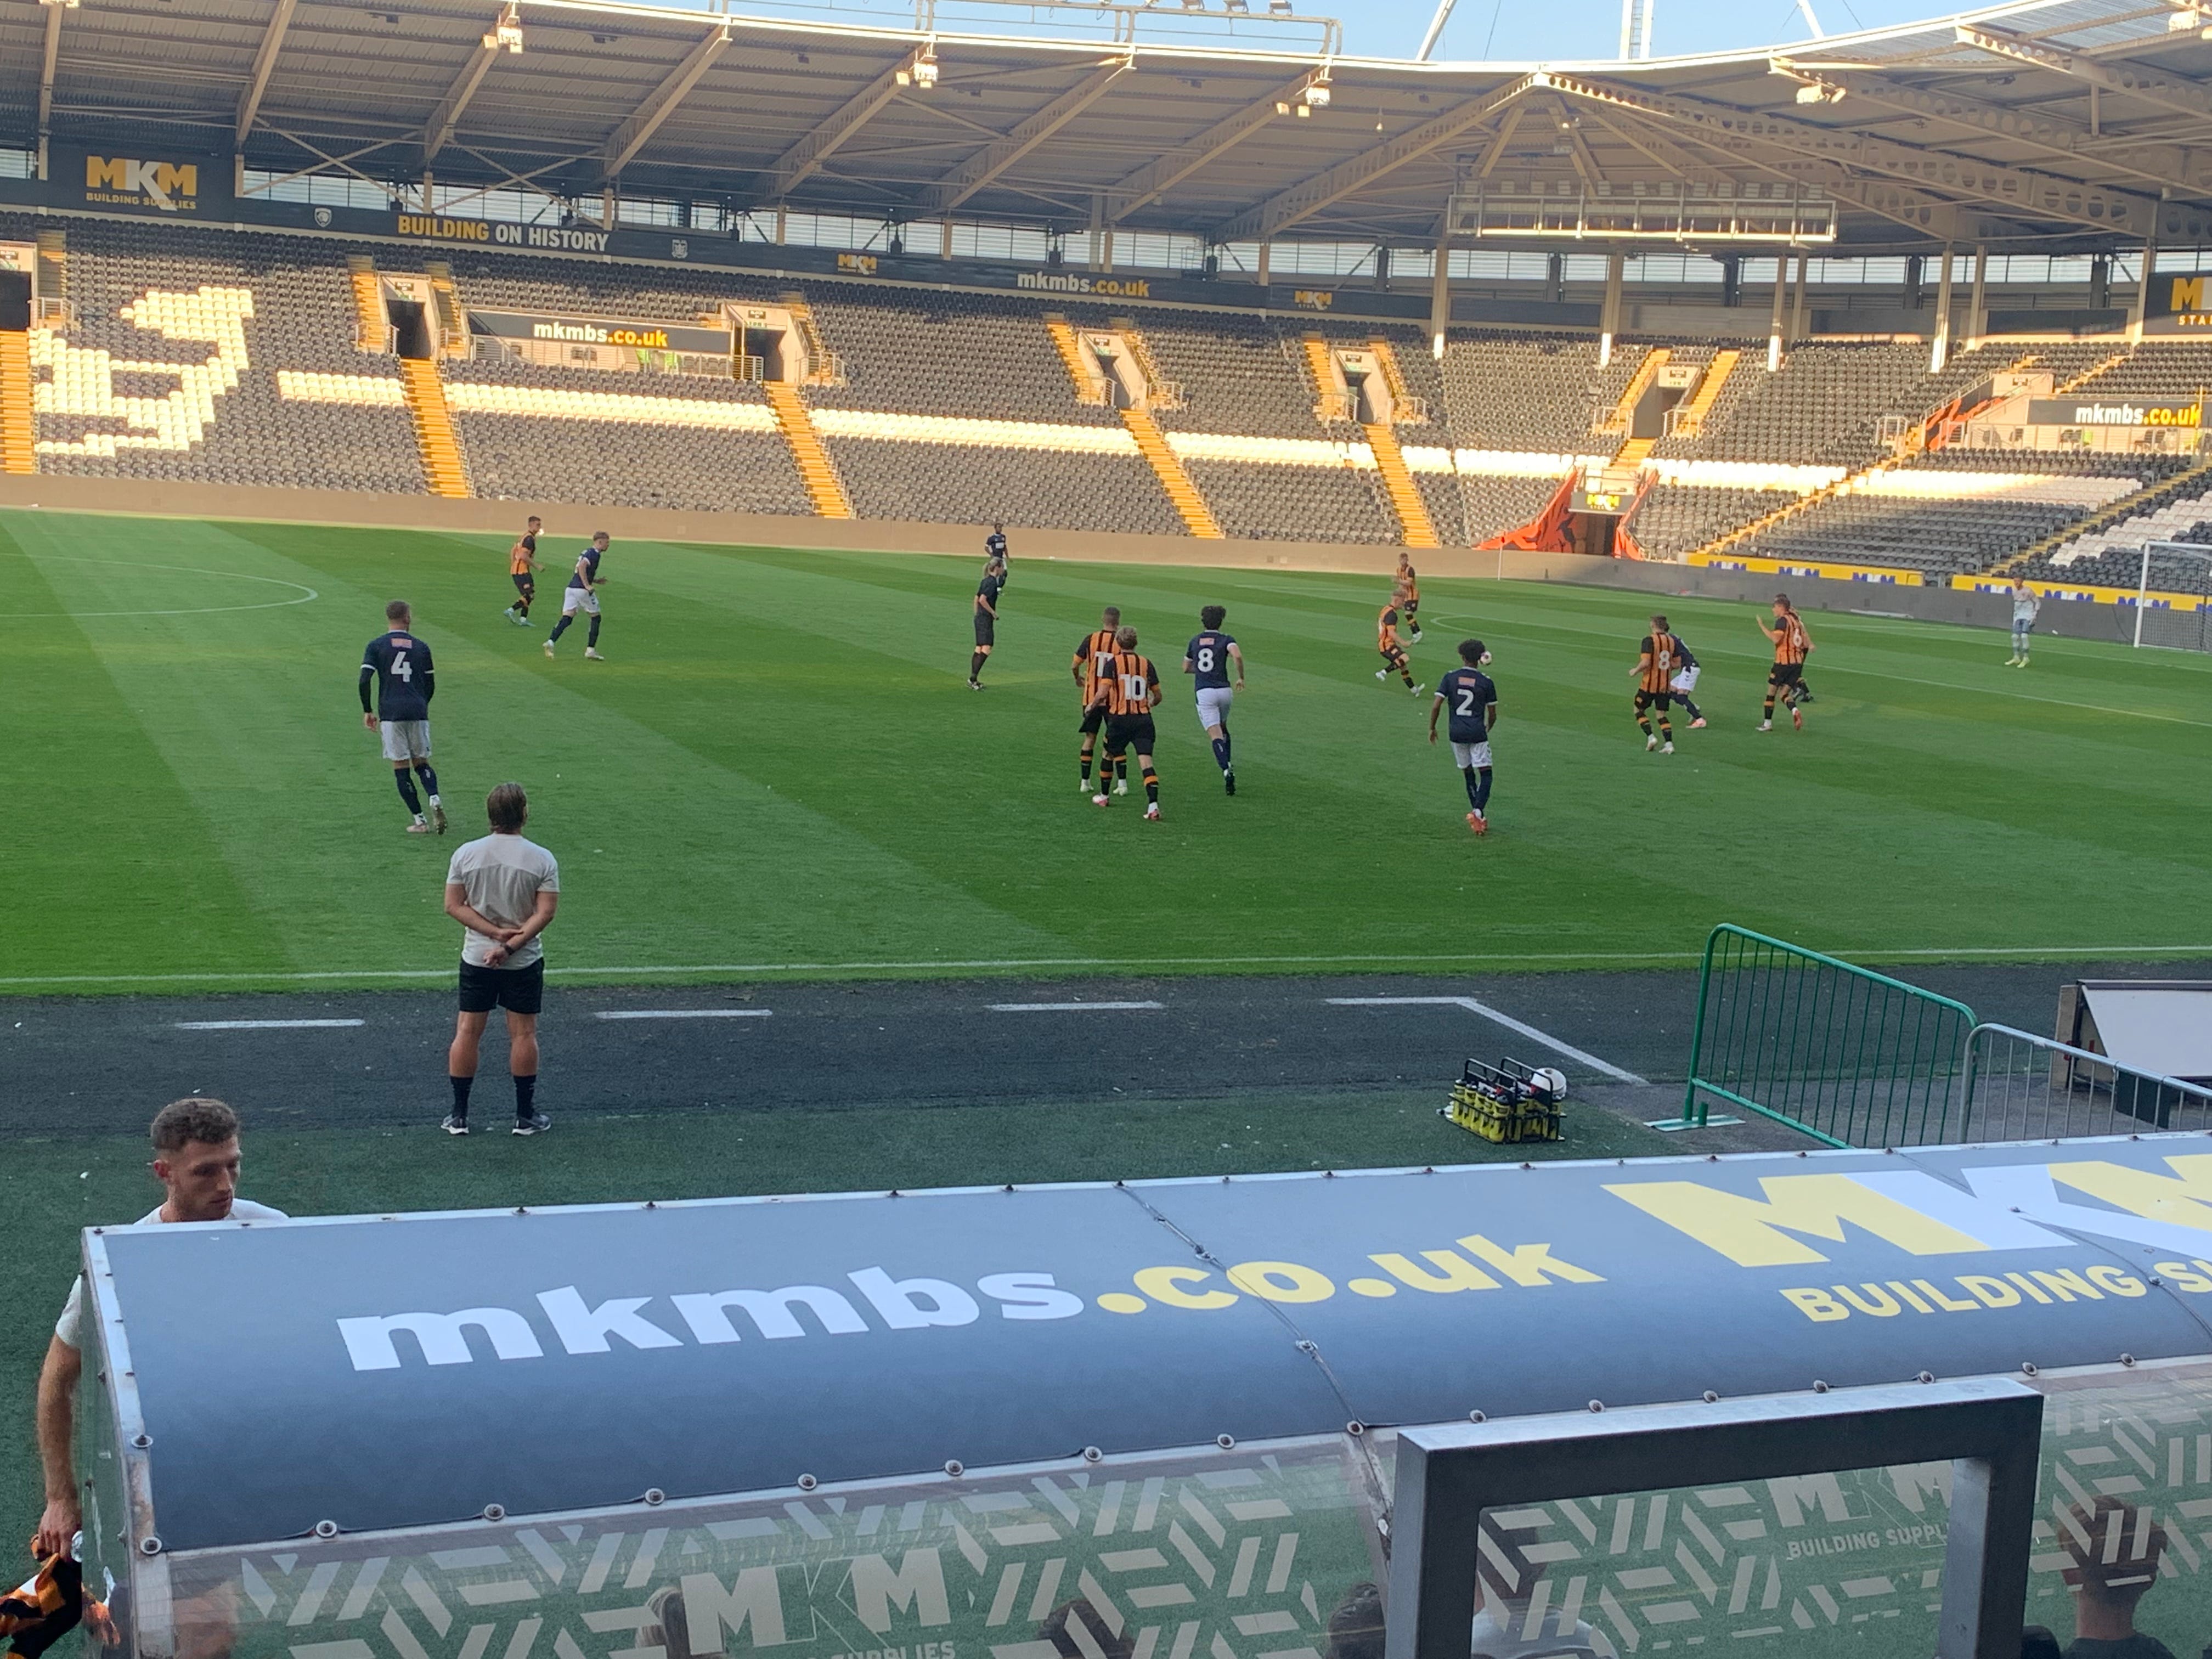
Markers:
<point>2053,124</point>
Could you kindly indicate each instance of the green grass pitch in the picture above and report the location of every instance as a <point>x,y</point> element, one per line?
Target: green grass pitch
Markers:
<point>779,770</point>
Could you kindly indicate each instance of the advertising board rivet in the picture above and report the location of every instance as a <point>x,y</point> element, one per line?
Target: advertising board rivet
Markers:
<point>2127,1360</point>
<point>1355,1428</point>
<point>2027,1368</point>
<point>141,1441</point>
<point>522,1209</point>
<point>1328,1174</point>
<point>1596,1406</point>
<point>1008,1187</point>
<point>1804,1154</point>
<point>326,1529</point>
<point>1712,1158</point>
<point>955,1467</point>
<point>1527,1166</point>
<point>655,1496</point>
<point>1711,1397</point>
<point>1306,1346</point>
<point>650,1205</point>
<point>895,1192</point>
<point>1091,1454</point>
<point>150,1545</point>
<point>1226,1442</point>
<point>1478,1417</point>
<point>1926,1376</point>
<point>1818,1387</point>
<point>494,1512</point>
<point>807,1483</point>
<point>2155,1281</point>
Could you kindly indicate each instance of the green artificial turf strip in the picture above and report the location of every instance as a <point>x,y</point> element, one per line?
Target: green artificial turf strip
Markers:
<point>56,1186</point>
<point>780,769</point>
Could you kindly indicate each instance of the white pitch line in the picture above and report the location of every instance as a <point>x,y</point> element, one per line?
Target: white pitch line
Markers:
<point>1071,1008</point>
<point>684,1013</point>
<point>265,1024</point>
<point>1506,1020</point>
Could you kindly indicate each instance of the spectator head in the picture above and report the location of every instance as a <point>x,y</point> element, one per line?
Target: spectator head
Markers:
<point>2112,1551</point>
<point>507,808</point>
<point>196,1157</point>
<point>667,1626</point>
<point>1077,1631</point>
<point>1355,1624</point>
<point>398,614</point>
<point>1125,638</point>
<point>1211,616</point>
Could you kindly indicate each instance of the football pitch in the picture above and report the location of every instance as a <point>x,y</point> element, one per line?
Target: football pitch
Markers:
<point>779,772</point>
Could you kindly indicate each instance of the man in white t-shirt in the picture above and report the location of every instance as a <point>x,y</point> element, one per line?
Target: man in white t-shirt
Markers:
<point>196,1160</point>
<point>2025,604</point>
<point>504,890</point>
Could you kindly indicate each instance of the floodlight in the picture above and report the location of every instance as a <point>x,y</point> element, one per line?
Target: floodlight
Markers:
<point>506,35</point>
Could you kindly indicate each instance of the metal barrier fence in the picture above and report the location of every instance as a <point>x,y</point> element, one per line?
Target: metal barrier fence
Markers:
<point>1851,1057</point>
<point>2015,1086</point>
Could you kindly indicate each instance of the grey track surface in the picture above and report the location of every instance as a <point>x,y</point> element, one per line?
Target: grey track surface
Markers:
<point>92,1066</point>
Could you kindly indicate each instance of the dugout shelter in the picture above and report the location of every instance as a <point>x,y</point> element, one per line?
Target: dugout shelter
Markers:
<point>922,1424</point>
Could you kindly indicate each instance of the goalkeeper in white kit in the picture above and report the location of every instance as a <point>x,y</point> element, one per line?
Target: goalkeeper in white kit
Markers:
<point>2025,604</point>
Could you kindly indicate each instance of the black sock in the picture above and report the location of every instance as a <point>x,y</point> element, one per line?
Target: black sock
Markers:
<point>559,628</point>
<point>1226,758</point>
<point>1665,730</point>
<point>1482,789</point>
<point>407,791</point>
<point>1086,759</point>
<point>429,780</point>
<point>461,1087</point>
<point>592,639</point>
<point>1474,787</point>
<point>1769,714</point>
<point>1152,786</point>
<point>526,1097</point>
<point>1121,769</point>
<point>976,664</point>
<point>1694,713</point>
<point>1407,675</point>
<point>522,605</point>
<point>1221,753</point>
<point>1643,725</point>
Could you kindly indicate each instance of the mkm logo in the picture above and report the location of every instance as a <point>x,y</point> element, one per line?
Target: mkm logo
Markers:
<point>168,185</point>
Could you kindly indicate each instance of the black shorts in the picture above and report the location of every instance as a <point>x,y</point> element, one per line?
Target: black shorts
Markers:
<point>1785,673</point>
<point>1093,718</point>
<point>1411,608</point>
<point>1664,700</point>
<point>525,582</point>
<point>986,628</point>
<point>518,990</point>
<point>1395,656</point>
<point>1127,732</point>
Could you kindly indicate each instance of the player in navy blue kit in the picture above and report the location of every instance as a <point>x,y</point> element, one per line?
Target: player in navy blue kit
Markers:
<point>994,550</point>
<point>398,664</point>
<point>1208,659</point>
<point>1472,701</point>
<point>583,595</point>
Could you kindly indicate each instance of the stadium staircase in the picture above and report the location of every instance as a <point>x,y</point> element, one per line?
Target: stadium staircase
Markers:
<point>1160,392</point>
<point>1089,384</point>
<point>371,323</point>
<point>17,421</point>
<point>2091,372</point>
<point>1175,478</point>
<point>1690,414</point>
<point>452,323</point>
<point>1415,527</point>
<point>1329,403</point>
<point>444,467</point>
<point>1624,411</point>
<point>824,368</point>
<point>815,470</point>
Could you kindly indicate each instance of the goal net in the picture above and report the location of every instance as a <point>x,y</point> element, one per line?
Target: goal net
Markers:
<point>2173,597</point>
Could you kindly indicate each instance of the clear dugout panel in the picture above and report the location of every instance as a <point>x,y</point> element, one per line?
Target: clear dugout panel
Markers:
<point>1240,1553</point>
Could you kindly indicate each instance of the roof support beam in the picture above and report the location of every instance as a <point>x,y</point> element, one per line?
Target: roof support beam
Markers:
<point>2031,195</point>
<point>438,130</point>
<point>52,57</point>
<point>630,137</point>
<point>1155,179</point>
<point>1309,197</point>
<point>264,61</point>
<point>2131,80</point>
<point>1506,128</point>
<point>804,159</point>
<point>995,158</point>
<point>2032,129</point>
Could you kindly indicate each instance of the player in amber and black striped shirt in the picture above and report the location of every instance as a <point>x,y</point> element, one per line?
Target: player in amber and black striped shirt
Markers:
<point>1386,642</point>
<point>1129,689</point>
<point>1655,674</point>
<point>1792,645</point>
<point>1087,665</point>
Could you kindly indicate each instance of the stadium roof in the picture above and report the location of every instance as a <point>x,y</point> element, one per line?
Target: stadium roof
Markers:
<point>2059,124</point>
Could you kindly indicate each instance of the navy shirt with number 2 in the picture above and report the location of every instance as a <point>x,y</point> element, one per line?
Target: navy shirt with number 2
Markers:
<point>401,663</point>
<point>1468,694</point>
<point>1209,659</point>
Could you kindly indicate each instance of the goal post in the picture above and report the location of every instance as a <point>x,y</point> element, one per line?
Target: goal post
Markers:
<point>2173,597</point>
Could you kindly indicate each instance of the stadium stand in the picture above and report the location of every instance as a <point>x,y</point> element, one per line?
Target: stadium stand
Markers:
<point>1825,404</point>
<point>1534,391</point>
<point>1676,519</point>
<point>130,389</point>
<point>1935,537</point>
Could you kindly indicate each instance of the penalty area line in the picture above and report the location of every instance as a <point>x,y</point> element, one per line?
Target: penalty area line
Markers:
<point>1507,1020</point>
<point>266,1024</point>
<point>1498,959</point>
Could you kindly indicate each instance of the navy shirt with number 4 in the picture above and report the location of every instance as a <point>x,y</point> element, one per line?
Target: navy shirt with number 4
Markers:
<point>1468,694</point>
<point>401,663</point>
<point>1209,659</point>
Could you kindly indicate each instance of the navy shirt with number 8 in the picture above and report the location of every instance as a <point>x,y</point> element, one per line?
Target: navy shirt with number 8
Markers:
<point>1209,659</point>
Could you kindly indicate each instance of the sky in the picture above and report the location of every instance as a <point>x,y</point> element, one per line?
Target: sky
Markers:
<point>1558,30</point>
